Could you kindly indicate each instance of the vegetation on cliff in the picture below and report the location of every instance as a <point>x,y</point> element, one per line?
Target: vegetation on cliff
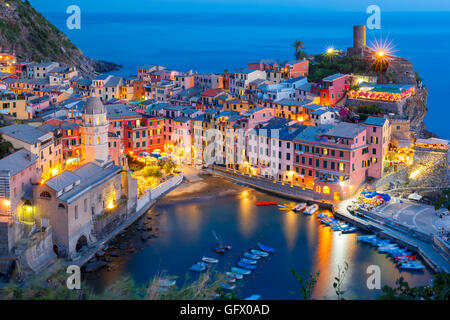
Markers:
<point>33,38</point>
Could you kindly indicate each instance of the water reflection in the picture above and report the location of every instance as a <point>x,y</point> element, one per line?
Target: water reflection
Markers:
<point>246,214</point>
<point>291,228</point>
<point>189,218</point>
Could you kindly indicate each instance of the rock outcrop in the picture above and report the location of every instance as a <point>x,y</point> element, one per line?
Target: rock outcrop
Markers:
<point>31,37</point>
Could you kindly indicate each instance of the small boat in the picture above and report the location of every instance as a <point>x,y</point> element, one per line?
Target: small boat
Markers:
<point>230,279</point>
<point>259,253</point>
<point>219,250</point>
<point>266,203</point>
<point>246,265</point>
<point>235,275</point>
<point>266,248</point>
<point>253,297</point>
<point>198,267</point>
<point>281,206</point>
<point>249,261</point>
<point>240,270</point>
<point>220,247</point>
<point>322,215</point>
<point>405,258</point>
<point>167,282</point>
<point>366,237</point>
<point>350,229</point>
<point>411,265</point>
<point>251,256</point>
<point>210,260</point>
<point>300,207</point>
<point>311,209</point>
<point>227,286</point>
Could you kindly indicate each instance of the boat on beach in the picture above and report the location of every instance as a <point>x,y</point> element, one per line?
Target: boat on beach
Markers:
<point>350,229</point>
<point>266,203</point>
<point>300,207</point>
<point>411,265</point>
<point>311,209</point>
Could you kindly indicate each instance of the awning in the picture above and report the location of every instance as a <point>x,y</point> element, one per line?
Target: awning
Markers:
<point>414,196</point>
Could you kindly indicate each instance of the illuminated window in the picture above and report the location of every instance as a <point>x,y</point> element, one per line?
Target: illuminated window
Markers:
<point>98,120</point>
<point>89,120</point>
<point>318,189</point>
<point>325,151</point>
<point>90,140</point>
<point>341,167</point>
<point>99,140</point>
<point>326,190</point>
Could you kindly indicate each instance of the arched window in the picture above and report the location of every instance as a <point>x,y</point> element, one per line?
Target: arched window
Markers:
<point>45,195</point>
<point>61,206</point>
<point>326,190</point>
<point>98,120</point>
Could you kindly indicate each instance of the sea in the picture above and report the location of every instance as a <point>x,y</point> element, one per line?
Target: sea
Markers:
<point>218,41</point>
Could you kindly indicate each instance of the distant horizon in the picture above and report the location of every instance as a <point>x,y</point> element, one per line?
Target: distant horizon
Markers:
<point>248,6</point>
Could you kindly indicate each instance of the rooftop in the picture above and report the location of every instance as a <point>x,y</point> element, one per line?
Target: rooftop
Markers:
<point>25,133</point>
<point>17,161</point>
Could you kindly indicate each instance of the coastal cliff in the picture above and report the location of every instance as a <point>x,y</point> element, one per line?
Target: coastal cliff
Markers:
<point>31,37</point>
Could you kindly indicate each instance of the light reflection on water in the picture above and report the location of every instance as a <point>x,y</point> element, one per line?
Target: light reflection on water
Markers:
<point>301,243</point>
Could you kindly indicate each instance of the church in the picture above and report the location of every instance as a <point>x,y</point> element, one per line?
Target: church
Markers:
<point>83,204</point>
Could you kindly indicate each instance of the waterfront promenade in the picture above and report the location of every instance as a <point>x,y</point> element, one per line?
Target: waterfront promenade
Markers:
<point>283,190</point>
<point>418,242</point>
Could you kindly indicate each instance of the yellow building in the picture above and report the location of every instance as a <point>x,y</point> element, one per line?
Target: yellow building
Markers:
<point>14,105</point>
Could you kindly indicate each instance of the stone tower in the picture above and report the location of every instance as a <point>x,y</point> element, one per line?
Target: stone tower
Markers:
<point>94,130</point>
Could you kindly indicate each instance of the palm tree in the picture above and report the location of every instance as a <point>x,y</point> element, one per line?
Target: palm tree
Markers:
<point>299,46</point>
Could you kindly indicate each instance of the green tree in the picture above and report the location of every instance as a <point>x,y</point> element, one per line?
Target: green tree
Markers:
<point>307,282</point>
<point>339,280</point>
<point>299,52</point>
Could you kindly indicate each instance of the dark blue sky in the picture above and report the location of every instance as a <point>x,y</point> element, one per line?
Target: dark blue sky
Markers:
<point>276,6</point>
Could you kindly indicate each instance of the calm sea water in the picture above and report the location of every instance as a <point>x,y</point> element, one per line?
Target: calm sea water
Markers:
<point>185,236</point>
<point>217,41</point>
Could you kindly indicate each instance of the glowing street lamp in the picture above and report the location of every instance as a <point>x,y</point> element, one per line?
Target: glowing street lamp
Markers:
<point>330,50</point>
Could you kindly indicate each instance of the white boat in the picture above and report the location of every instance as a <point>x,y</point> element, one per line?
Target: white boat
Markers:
<point>300,207</point>
<point>235,275</point>
<point>311,209</point>
<point>210,260</point>
<point>167,282</point>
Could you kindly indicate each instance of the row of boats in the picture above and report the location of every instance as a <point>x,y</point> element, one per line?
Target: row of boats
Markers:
<point>336,225</point>
<point>405,259</point>
<point>301,207</point>
<point>247,263</point>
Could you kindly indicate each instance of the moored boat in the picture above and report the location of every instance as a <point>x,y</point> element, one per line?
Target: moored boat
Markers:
<point>198,267</point>
<point>227,286</point>
<point>259,253</point>
<point>251,256</point>
<point>241,271</point>
<point>249,261</point>
<point>210,260</point>
<point>167,282</point>
<point>266,248</point>
<point>350,229</point>
<point>246,265</point>
<point>253,297</point>
<point>235,275</point>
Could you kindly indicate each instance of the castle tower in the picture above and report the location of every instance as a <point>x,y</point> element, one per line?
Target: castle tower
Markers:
<point>94,130</point>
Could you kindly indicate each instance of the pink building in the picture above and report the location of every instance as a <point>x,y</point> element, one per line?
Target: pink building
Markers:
<point>331,89</point>
<point>333,160</point>
<point>291,69</point>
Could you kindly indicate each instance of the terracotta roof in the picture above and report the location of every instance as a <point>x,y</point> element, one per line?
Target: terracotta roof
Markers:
<point>211,92</point>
